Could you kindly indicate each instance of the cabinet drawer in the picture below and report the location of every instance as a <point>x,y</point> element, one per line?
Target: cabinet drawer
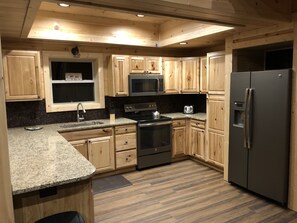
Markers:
<point>87,134</point>
<point>179,122</point>
<point>125,129</point>
<point>126,158</point>
<point>198,124</point>
<point>125,141</point>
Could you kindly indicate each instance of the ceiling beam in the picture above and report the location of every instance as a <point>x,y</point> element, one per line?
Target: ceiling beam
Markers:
<point>225,12</point>
<point>31,13</point>
<point>174,32</point>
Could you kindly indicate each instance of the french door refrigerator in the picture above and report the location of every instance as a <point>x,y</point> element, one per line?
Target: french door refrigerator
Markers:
<point>259,143</point>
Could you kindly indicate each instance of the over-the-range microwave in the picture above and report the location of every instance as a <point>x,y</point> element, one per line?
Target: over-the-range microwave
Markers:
<point>146,84</point>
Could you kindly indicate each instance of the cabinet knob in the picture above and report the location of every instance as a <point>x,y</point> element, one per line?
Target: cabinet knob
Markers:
<point>126,142</point>
<point>126,130</point>
<point>127,159</point>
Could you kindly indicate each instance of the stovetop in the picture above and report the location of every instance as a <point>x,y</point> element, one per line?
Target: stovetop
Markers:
<point>142,112</point>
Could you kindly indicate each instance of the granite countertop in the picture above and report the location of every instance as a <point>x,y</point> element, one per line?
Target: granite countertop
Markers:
<point>43,158</point>
<point>179,115</point>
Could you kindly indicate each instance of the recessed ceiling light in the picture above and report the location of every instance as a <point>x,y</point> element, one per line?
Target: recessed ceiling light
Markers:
<point>183,43</point>
<point>140,15</point>
<point>62,4</point>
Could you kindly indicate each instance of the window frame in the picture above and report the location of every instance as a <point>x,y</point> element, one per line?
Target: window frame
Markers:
<point>98,77</point>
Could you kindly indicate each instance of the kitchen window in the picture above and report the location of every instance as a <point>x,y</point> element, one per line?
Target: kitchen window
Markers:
<point>69,81</point>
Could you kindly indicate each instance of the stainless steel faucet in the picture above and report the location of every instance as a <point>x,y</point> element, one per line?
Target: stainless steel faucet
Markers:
<point>80,118</point>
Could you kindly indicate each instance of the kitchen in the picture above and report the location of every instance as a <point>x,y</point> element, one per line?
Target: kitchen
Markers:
<point>269,35</point>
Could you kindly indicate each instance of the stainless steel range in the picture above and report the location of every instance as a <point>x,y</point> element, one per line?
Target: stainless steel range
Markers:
<point>153,134</point>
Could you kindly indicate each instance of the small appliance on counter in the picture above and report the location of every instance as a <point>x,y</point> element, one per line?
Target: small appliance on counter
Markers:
<point>188,109</point>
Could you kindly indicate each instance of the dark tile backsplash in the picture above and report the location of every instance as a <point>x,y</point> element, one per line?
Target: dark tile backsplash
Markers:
<point>33,113</point>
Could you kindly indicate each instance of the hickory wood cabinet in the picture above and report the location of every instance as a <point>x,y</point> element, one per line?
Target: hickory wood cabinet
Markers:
<point>203,75</point>
<point>172,74</point>
<point>22,76</point>
<point>190,75</point>
<point>145,64</point>
<point>125,146</point>
<point>97,145</point>
<point>216,72</point>
<point>179,137</point>
<point>197,139</point>
<point>116,75</point>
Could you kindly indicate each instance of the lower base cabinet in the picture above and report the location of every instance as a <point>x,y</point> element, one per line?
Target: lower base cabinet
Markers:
<point>126,158</point>
<point>216,148</point>
<point>97,145</point>
<point>101,153</point>
<point>197,139</point>
<point>125,146</point>
<point>179,137</point>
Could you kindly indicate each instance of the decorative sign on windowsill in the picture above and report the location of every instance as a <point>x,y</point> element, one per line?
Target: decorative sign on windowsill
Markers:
<point>73,76</point>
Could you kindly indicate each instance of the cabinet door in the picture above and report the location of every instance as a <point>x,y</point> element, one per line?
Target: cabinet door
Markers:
<point>171,73</point>
<point>216,72</point>
<point>81,146</point>
<point>216,148</point>
<point>179,141</point>
<point>21,75</point>
<point>101,153</point>
<point>137,64</point>
<point>203,75</point>
<point>121,72</point>
<point>190,79</point>
<point>216,114</point>
<point>197,142</point>
<point>153,65</point>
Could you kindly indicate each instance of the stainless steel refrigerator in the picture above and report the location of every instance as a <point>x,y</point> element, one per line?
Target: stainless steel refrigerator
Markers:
<point>259,143</point>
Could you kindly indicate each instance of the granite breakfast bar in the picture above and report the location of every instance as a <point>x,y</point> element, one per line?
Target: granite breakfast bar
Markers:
<point>48,174</point>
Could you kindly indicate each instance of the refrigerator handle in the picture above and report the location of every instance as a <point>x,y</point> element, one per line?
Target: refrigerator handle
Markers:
<point>249,118</point>
<point>245,117</point>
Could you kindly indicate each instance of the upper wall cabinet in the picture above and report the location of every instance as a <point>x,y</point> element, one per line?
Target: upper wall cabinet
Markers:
<point>203,75</point>
<point>22,75</point>
<point>171,73</point>
<point>116,75</point>
<point>70,80</point>
<point>190,75</point>
<point>150,65</point>
<point>216,72</point>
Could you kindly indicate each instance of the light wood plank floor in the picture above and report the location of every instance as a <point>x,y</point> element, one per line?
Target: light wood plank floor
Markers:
<point>184,192</point>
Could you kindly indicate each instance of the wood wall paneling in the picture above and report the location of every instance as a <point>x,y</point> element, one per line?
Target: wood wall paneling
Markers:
<point>6,206</point>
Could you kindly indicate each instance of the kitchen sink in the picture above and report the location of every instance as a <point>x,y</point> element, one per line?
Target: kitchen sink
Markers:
<point>80,124</point>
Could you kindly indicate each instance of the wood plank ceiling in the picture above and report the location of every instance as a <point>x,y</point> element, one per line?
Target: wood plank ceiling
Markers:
<point>166,22</point>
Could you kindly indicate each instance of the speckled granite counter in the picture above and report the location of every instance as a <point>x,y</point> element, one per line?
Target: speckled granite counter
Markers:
<point>43,158</point>
<point>198,116</point>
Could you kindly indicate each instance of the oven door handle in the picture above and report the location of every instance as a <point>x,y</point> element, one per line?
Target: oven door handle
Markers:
<point>155,124</point>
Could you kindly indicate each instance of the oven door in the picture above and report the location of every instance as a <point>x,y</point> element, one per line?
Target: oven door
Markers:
<point>154,138</point>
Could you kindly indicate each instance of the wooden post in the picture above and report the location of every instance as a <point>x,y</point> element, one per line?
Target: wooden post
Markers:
<point>292,202</point>
<point>6,206</point>
<point>228,70</point>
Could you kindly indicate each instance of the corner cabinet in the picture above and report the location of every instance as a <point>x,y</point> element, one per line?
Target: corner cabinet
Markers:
<point>97,145</point>
<point>22,76</point>
<point>171,72</point>
<point>116,75</point>
<point>190,75</point>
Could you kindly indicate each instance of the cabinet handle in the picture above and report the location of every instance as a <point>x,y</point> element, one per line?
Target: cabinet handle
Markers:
<point>104,130</point>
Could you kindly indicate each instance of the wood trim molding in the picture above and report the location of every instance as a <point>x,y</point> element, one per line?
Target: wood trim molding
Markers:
<point>31,13</point>
<point>292,197</point>
<point>6,205</point>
